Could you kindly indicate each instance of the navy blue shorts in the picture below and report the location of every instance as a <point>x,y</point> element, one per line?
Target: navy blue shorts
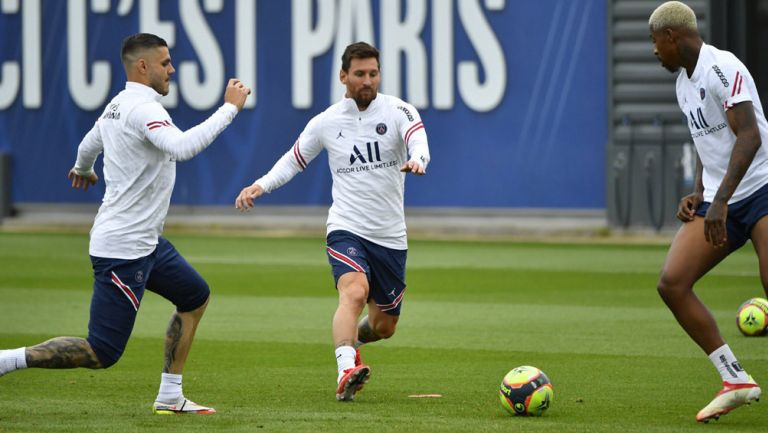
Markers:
<point>742,216</point>
<point>118,288</point>
<point>384,267</point>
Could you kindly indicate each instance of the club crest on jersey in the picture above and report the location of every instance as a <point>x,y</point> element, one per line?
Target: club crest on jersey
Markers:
<point>702,93</point>
<point>139,277</point>
<point>381,129</point>
<point>351,251</point>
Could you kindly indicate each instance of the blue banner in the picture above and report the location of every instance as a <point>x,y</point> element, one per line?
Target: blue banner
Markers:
<point>513,94</point>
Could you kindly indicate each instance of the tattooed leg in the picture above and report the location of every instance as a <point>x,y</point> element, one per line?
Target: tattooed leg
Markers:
<point>365,333</point>
<point>376,325</point>
<point>178,339</point>
<point>62,352</point>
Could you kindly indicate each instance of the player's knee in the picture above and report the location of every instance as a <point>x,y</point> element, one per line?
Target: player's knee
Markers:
<point>386,331</point>
<point>354,295</point>
<point>107,353</point>
<point>670,289</point>
<point>197,302</point>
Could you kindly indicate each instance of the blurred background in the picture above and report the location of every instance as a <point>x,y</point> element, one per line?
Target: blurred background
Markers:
<point>543,116</point>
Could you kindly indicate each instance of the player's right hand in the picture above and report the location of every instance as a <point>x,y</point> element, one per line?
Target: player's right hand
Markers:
<point>715,231</point>
<point>686,209</point>
<point>244,200</point>
<point>236,93</point>
<point>83,182</point>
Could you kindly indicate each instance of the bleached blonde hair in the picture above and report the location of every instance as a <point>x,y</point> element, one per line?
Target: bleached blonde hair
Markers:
<point>673,15</point>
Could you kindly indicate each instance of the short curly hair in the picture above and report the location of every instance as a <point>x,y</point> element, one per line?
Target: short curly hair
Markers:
<point>673,15</point>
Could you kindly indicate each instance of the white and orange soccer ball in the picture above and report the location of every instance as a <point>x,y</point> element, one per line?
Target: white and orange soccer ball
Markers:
<point>752,317</point>
<point>526,391</point>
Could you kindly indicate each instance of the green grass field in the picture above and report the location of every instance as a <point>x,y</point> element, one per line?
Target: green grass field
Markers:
<point>588,315</point>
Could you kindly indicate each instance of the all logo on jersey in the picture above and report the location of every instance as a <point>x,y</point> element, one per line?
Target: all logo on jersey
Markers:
<point>381,129</point>
<point>373,154</point>
<point>702,93</point>
<point>702,122</point>
<point>367,158</point>
<point>700,126</point>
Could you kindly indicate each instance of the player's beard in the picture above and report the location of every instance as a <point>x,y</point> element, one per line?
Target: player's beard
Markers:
<point>160,85</point>
<point>363,98</point>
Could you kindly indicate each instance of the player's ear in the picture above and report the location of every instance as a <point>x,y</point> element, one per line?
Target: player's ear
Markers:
<point>141,65</point>
<point>670,34</point>
<point>343,76</point>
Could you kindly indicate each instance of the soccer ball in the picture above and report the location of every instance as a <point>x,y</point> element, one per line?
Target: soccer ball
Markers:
<point>752,317</point>
<point>526,391</point>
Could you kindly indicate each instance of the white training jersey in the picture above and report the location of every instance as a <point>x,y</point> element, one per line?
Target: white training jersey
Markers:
<point>365,152</point>
<point>719,82</point>
<point>141,146</point>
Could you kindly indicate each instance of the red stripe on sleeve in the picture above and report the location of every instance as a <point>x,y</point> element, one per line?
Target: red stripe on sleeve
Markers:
<point>411,131</point>
<point>735,83</point>
<point>297,154</point>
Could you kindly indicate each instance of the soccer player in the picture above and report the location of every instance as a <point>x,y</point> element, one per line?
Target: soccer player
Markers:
<point>141,146</point>
<point>369,137</point>
<point>730,199</point>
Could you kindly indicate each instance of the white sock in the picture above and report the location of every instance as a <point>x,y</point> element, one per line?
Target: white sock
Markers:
<point>728,366</point>
<point>345,358</point>
<point>12,360</point>
<point>170,388</point>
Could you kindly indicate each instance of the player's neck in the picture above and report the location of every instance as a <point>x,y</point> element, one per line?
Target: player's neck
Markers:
<point>689,55</point>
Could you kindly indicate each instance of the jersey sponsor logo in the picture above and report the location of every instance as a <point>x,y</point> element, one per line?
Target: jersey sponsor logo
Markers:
<point>702,122</point>
<point>721,75</point>
<point>373,154</point>
<point>699,125</point>
<point>340,135</point>
<point>112,112</point>
<point>381,128</point>
<point>407,112</point>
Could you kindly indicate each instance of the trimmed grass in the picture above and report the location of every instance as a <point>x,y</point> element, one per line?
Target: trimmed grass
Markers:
<point>588,315</point>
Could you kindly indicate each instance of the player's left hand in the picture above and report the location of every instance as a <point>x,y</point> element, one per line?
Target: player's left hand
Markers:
<point>83,182</point>
<point>714,224</point>
<point>413,167</point>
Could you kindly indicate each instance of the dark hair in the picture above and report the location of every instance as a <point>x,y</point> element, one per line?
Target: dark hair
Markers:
<point>140,41</point>
<point>358,50</point>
